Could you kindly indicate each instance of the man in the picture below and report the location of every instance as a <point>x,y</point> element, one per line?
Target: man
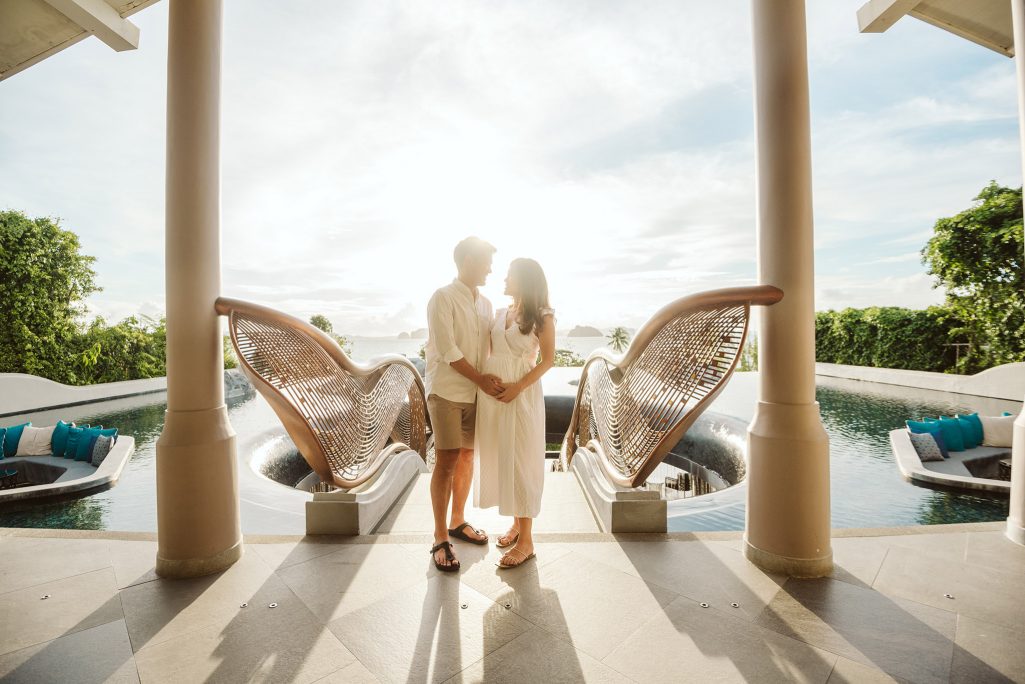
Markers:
<point>459,331</point>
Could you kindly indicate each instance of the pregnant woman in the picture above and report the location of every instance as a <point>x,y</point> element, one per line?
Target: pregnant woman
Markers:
<point>510,429</point>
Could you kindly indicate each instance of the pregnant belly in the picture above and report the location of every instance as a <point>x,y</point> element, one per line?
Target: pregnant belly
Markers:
<point>508,368</point>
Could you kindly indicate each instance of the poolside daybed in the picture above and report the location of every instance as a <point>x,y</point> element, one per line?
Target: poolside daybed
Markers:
<point>71,476</point>
<point>955,471</point>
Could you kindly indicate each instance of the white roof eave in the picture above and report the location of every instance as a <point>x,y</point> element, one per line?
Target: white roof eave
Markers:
<point>32,30</point>
<point>984,22</point>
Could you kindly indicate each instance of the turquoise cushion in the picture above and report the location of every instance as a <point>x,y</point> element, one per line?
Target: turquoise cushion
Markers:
<point>1007,413</point>
<point>925,426</point>
<point>68,451</point>
<point>12,438</point>
<point>976,426</point>
<point>59,441</point>
<point>112,433</point>
<point>3,431</point>
<point>953,435</point>
<point>71,445</point>
<point>968,432</point>
<point>930,426</point>
<point>84,448</point>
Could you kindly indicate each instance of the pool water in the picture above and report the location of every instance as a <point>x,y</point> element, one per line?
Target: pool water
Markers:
<point>867,489</point>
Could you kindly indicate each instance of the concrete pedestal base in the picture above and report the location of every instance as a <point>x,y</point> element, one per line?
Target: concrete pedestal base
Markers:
<point>198,528</point>
<point>792,567</point>
<point>617,509</point>
<point>1016,517</point>
<point>788,524</point>
<point>360,510</point>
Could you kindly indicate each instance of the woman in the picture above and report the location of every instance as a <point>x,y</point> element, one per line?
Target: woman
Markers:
<point>510,441</point>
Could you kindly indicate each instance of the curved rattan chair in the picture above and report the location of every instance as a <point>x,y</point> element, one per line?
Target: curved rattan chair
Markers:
<point>631,410</point>
<point>345,418</point>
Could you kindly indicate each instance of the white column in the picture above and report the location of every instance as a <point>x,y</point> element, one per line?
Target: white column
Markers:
<point>1016,517</point>
<point>788,527</point>
<point>197,483</point>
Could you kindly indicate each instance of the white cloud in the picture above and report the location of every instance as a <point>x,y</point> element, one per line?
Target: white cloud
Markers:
<point>361,140</point>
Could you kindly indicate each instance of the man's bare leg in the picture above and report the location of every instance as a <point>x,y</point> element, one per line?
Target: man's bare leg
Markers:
<point>461,482</point>
<point>445,462</point>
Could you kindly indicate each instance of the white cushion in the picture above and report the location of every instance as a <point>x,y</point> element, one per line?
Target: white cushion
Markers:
<point>997,431</point>
<point>35,441</point>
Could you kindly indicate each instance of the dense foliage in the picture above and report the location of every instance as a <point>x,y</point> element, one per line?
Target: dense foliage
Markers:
<point>749,355</point>
<point>887,337</point>
<point>44,281</point>
<point>566,358</point>
<point>977,256</point>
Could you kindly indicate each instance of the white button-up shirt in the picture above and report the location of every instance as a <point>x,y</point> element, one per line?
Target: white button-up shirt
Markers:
<point>458,327</point>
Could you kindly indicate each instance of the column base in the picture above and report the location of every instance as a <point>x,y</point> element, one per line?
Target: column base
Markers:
<point>792,567</point>
<point>199,531</point>
<point>1015,532</point>
<point>197,567</point>
<point>788,515</point>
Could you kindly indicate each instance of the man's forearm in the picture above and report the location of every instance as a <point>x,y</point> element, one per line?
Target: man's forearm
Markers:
<point>464,368</point>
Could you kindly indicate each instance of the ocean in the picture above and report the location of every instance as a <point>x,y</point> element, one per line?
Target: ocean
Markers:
<point>364,348</point>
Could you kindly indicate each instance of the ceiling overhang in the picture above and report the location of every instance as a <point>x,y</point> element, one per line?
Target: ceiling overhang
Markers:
<point>985,22</point>
<point>32,30</point>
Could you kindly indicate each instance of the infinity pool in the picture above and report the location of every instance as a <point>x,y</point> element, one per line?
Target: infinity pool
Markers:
<point>867,490</point>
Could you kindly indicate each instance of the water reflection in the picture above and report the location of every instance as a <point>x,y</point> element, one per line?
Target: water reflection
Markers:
<point>867,489</point>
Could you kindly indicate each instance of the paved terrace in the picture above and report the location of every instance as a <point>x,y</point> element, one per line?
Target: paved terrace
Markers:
<point>591,607</point>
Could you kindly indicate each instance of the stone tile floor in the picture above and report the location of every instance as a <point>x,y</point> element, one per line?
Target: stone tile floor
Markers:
<point>565,509</point>
<point>79,606</point>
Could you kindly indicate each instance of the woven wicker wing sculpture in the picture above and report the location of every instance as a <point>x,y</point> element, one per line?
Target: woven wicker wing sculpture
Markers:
<point>345,418</point>
<point>632,410</point>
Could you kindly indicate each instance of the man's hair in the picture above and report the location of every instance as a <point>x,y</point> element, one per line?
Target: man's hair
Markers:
<point>472,246</point>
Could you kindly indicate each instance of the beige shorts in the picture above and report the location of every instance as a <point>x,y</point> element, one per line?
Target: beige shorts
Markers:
<point>453,423</point>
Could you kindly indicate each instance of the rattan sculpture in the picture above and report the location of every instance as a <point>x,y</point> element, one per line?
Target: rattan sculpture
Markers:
<point>632,410</point>
<point>345,418</point>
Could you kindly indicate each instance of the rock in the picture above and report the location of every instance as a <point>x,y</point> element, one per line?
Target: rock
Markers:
<point>585,331</point>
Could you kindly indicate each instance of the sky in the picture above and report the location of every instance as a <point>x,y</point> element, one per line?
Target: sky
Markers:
<point>613,142</point>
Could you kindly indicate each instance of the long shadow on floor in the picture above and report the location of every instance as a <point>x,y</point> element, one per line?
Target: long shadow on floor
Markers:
<point>765,636</point>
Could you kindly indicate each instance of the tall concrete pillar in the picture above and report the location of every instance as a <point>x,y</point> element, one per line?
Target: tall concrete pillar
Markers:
<point>197,483</point>
<point>788,527</point>
<point>1016,518</point>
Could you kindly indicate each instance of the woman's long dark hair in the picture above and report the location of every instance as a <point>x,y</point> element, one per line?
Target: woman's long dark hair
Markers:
<point>533,294</point>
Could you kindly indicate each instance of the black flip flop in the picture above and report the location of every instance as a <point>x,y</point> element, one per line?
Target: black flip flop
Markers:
<point>459,534</point>
<point>453,565</point>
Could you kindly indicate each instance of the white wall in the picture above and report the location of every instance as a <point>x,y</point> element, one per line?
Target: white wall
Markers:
<point>1002,382</point>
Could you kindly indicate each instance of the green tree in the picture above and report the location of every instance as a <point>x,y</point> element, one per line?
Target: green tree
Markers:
<point>566,358</point>
<point>619,339</point>
<point>977,256</point>
<point>749,355</point>
<point>44,280</point>
<point>320,321</point>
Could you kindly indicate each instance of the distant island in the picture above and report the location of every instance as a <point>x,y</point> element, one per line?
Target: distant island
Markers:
<point>585,331</point>
<point>418,334</point>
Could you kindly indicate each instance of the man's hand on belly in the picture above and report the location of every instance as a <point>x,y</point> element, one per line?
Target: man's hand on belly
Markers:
<point>492,384</point>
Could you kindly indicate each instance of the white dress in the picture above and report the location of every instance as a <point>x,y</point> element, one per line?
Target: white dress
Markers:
<point>510,442</point>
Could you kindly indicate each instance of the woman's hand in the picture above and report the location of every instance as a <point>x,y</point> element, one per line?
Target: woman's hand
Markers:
<point>509,393</point>
<point>491,384</point>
